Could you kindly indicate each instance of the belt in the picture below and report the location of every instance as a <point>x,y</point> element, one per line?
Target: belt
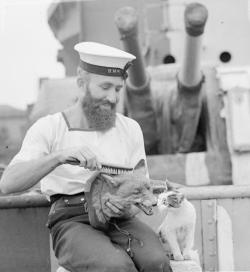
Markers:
<point>66,207</point>
<point>70,200</point>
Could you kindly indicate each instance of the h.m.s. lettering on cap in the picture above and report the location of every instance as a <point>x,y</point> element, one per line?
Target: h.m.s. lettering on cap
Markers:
<point>105,71</point>
<point>103,60</point>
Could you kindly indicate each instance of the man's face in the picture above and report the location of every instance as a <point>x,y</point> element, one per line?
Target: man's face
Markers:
<point>100,100</point>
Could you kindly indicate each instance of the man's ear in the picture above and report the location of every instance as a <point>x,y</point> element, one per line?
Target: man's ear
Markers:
<point>79,82</point>
<point>80,78</point>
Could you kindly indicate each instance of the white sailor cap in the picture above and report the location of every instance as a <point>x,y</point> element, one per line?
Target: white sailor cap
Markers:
<point>105,60</point>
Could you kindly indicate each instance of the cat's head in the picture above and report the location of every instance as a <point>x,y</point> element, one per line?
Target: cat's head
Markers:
<point>170,198</point>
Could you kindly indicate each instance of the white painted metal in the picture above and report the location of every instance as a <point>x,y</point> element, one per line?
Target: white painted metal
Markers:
<point>196,170</point>
<point>235,82</point>
<point>225,245</point>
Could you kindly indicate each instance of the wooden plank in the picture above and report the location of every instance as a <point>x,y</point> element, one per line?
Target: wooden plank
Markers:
<point>24,240</point>
<point>209,236</point>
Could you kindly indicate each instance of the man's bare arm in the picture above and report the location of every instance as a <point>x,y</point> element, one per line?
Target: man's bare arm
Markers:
<point>23,175</point>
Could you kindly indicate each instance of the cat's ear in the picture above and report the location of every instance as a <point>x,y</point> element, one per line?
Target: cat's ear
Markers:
<point>172,186</point>
<point>140,167</point>
<point>111,181</point>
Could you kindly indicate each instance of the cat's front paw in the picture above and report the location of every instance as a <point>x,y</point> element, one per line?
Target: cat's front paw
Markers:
<point>178,257</point>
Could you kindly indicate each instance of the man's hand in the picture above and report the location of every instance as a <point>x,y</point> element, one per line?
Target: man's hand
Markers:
<point>118,210</point>
<point>82,155</point>
<point>114,209</point>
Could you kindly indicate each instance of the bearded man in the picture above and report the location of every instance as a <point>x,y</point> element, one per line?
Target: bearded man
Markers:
<point>90,132</point>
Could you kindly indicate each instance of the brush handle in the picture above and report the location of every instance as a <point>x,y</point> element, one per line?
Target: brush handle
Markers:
<point>73,162</point>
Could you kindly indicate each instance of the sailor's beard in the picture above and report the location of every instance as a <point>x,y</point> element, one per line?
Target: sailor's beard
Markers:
<point>100,114</point>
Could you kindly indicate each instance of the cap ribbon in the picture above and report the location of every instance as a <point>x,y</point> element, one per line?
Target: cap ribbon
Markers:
<point>105,71</point>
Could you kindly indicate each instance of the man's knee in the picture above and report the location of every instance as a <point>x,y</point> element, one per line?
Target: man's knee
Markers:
<point>110,264</point>
<point>121,265</point>
<point>157,263</point>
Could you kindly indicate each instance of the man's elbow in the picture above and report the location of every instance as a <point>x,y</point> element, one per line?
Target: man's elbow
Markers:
<point>5,185</point>
<point>3,188</point>
<point>4,191</point>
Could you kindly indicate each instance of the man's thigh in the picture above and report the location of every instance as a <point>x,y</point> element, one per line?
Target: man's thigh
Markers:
<point>79,248</point>
<point>147,251</point>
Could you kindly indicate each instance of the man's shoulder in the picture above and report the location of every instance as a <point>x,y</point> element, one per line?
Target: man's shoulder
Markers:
<point>46,123</point>
<point>49,119</point>
<point>124,120</point>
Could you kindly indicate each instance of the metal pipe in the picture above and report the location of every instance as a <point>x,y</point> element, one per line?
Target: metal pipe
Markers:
<point>127,24</point>
<point>138,92</point>
<point>23,201</point>
<point>188,102</point>
<point>192,193</point>
<point>207,192</point>
<point>217,192</point>
<point>195,17</point>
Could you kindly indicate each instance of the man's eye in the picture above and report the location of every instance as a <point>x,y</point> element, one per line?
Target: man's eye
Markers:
<point>118,89</point>
<point>105,87</point>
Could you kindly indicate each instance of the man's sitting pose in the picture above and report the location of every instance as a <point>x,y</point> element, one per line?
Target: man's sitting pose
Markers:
<point>91,133</point>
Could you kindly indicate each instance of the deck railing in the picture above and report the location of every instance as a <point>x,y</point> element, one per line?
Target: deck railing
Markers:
<point>222,229</point>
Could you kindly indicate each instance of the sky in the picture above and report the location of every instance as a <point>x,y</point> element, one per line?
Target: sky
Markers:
<point>28,51</point>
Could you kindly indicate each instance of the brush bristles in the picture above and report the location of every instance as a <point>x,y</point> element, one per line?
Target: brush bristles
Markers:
<point>112,170</point>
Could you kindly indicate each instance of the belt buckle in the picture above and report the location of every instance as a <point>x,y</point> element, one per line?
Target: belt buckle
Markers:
<point>86,209</point>
<point>71,201</point>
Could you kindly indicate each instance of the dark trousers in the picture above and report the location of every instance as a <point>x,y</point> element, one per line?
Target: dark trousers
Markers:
<point>79,247</point>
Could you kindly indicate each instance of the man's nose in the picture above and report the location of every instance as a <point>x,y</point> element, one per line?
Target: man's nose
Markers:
<point>112,96</point>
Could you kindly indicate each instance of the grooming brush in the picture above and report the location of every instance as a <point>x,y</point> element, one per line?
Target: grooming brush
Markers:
<point>110,169</point>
